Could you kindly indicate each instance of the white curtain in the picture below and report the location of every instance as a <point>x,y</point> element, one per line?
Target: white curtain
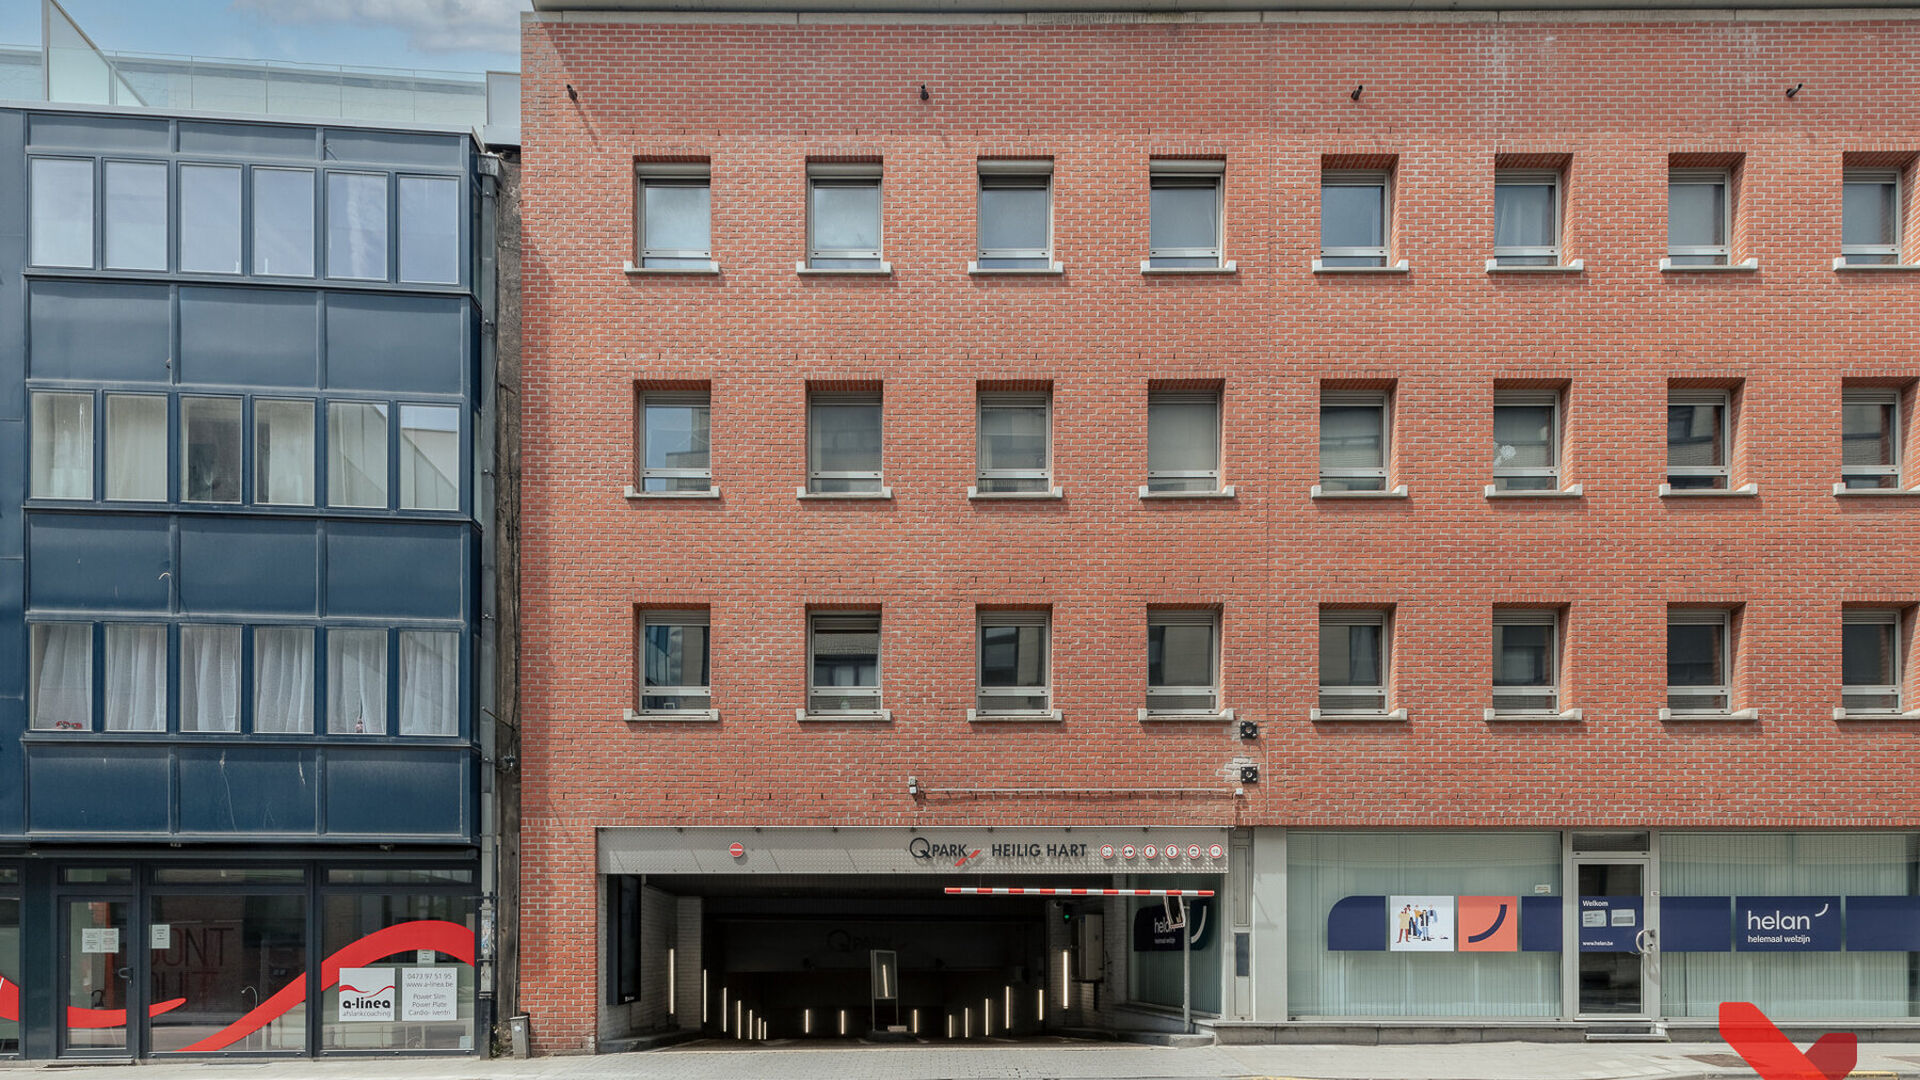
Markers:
<point>136,447</point>
<point>429,683</point>
<point>356,454</point>
<point>283,450</point>
<point>136,678</point>
<point>209,678</point>
<point>357,682</point>
<point>63,446</point>
<point>429,458</point>
<point>1183,436</point>
<point>283,680</point>
<point>63,676</point>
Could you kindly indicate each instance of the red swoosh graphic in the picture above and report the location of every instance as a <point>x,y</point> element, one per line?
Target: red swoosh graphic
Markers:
<point>77,1017</point>
<point>1774,1056</point>
<point>365,993</point>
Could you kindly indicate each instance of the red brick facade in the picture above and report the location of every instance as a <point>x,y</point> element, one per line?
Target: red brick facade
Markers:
<point>1443,99</point>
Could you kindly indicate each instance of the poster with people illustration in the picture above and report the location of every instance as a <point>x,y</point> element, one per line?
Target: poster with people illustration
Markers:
<point>1420,923</point>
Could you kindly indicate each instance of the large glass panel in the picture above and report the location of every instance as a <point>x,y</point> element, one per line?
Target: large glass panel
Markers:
<point>429,229</point>
<point>676,223</point>
<point>283,453</point>
<point>62,677</point>
<point>429,683</point>
<point>210,219</point>
<point>430,1006</point>
<point>10,968</point>
<point>62,212</point>
<point>1013,666</point>
<point>99,967</point>
<point>1433,978</point>
<point>843,445</point>
<point>62,446</point>
<point>1158,974</point>
<point>210,442</point>
<point>283,680</point>
<point>675,668</point>
<point>356,454</point>
<point>846,663</point>
<point>1013,444</point>
<point>136,214</point>
<point>676,443</point>
<point>357,682</point>
<point>209,678</point>
<point>283,222</point>
<point>846,224</point>
<point>137,447</point>
<point>1183,444</point>
<point>357,226</point>
<point>429,457</point>
<point>1612,969</point>
<point>136,693</point>
<point>221,956</point>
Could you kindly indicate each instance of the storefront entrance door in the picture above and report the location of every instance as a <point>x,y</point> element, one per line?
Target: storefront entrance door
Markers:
<point>1617,940</point>
<point>102,992</point>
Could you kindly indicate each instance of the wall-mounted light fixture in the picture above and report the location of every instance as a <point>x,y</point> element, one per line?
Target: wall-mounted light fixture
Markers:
<point>1249,774</point>
<point>572,94</point>
<point>923,92</point>
<point>1795,89</point>
<point>1355,96</point>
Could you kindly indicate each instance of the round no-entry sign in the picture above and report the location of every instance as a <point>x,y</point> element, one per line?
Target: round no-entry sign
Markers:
<point>737,850</point>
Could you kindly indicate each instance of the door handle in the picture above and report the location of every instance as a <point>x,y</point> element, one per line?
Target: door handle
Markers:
<point>125,973</point>
<point>1645,942</point>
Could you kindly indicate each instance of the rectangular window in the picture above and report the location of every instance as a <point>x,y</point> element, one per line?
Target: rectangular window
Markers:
<point>62,212</point>
<point>1183,441</point>
<point>1699,217</point>
<point>1183,662</point>
<point>356,454</point>
<point>1013,662</point>
<point>1870,438</point>
<point>429,457</point>
<point>62,677</point>
<point>1354,210</point>
<point>1526,440</point>
<point>283,222</point>
<point>675,661</point>
<point>136,215</point>
<point>62,446</point>
<point>1014,442</point>
<point>137,447</point>
<point>1184,213</point>
<point>675,226</point>
<point>1353,440</point>
<point>429,683</point>
<point>1526,218</point>
<point>1699,648</point>
<point>283,453</point>
<point>844,662</point>
<point>1870,217</point>
<point>1525,661</point>
<point>843,443</point>
<point>209,678</point>
<point>1016,215</point>
<point>210,443</point>
<point>357,226</point>
<point>136,692</point>
<point>283,680</point>
<point>430,229</point>
<point>357,682</point>
<point>210,219</point>
<point>675,440</point>
<point>1353,661</point>
<point>1870,668</point>
<point>1699,435</point>
<point>843,217</point>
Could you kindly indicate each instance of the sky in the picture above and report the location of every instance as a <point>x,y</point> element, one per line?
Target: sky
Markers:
<point>442,35</point>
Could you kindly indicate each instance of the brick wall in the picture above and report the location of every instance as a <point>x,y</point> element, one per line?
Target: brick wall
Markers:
<point>1443,97</point>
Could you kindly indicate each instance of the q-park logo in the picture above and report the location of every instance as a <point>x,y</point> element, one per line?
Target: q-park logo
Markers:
<point>922,848</point>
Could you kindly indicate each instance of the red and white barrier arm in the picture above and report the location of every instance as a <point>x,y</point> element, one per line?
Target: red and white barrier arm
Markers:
<point>958,890</point>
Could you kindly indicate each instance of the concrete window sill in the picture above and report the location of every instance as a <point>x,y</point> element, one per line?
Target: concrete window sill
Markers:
<point>885,269</point>
<point>1744,491</point>
<point>636,493</point>
<point>1570,716</point>
<point>882,495</point>
<point>1044,716</point>
<point>1226,492</point>
<point>1841,265</point>
<point>1322,716</point>
<point>1667,715</point>
<point>1051,269</point>
<point>1316,492</point>
<point>1049,495</point>
<point>1149,716</point>
<point>1875,714</point>
<point>1401,267</point>
<point>1577,266</point>
<point>1573,491</point>
<point>669,271</point>
<point>881,716</point>
<point>1842,491</point>
<point>1228,267</point>
<point>1747,267</point>
<point>675,716</point>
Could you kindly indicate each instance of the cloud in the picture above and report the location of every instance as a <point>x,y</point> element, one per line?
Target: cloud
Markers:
<point>431,26</point>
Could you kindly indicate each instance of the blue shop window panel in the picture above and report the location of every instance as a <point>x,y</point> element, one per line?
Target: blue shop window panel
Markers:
<point>261,789</point>
<point>105,789</point>
<point>397,570</point>
<point>1540,924</point>
<point>397,344</point>
<point>108,331</point>
<point>254,566</point>
<point>1357,923</point>
<point>99,562</point>
<point>249,337</point>
<point>1696,923</point>
<point>399,792</point>
<point>1883,924</point>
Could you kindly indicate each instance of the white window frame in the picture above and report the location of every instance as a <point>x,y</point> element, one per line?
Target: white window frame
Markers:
<point>1549,694</point>
<point>1186,173</point>
<point>1528,399</point>
<point>1012,399</point>
<point>983,695</point>
<point>846,397</point>
<point>1878,397</point>
<point>670,397</point>
<point>1722,618</point>
<point>1876,254</point>
<point>1724,470</point>
<point>1157,694</point>
<point>855,174</point>
<point>1380,617</point>
<point>650,617</point>
<point>1380,178</point>
<point>815,621</point>
<point>1384,401</point>
<point>1018,175</point>
<point>1529,178</point>
<point>1879,617</point>
<point>668,174</point>
<point>1188,397</point>
<point>1722,252</point>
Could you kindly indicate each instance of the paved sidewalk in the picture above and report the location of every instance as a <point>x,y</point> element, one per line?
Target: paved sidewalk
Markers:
<point>1061,1060</point>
